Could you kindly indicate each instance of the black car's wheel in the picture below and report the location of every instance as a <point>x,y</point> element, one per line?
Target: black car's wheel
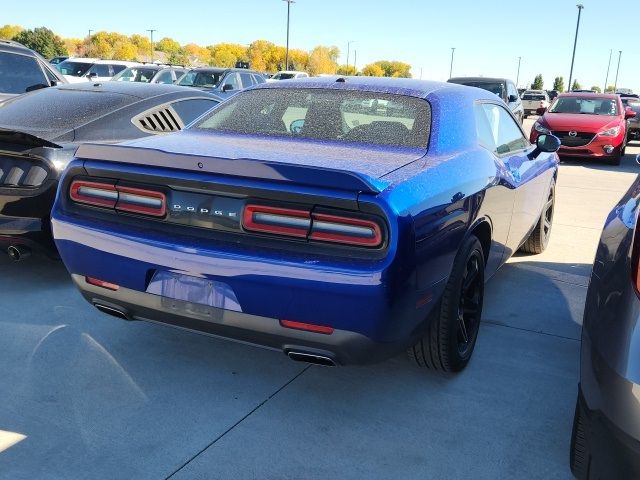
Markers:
<point>579,457</point>
<point>453,329</point>
<point>539,238</point>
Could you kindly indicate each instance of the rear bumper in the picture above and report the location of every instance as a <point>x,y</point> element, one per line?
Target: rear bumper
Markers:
<point>341,346</point>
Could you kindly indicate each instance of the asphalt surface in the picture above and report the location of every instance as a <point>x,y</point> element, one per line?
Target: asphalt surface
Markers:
<point>83,395</point>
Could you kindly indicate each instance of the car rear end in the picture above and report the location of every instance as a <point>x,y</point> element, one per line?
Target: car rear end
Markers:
<point>531,102</point>
<point>606,436</point>
<point>633,124</point>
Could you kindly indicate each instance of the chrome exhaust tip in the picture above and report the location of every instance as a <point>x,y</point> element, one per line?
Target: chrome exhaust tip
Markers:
<point>311,358</point>
<point>18,252</point>
<point>114,312</point>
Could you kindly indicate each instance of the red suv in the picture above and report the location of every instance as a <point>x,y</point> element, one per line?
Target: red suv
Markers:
<point>587,124</point>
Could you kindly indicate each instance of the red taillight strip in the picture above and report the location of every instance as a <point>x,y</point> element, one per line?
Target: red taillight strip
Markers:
<point>101,283</point>
<point>282,221</point>
<point>309,327</point>
<point>93,193</point>
<point>138,200</point>
<point>352,231</point>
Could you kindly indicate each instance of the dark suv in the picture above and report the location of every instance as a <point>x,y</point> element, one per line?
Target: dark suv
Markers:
<point>224,82</point>
<point>24,70</point>
<point>502,87</point>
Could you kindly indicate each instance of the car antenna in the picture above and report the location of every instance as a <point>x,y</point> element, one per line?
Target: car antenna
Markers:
<point>341,80</point>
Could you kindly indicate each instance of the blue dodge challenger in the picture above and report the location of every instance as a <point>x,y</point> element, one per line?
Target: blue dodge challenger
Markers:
<point>339,220</point>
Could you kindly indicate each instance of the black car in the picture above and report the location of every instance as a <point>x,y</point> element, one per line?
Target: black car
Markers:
<point>23,70</point>
<point>222,81</point>
<point>606,430</point>
<point>502,87</point>
<point>552,94</point>
<point>40,132</point>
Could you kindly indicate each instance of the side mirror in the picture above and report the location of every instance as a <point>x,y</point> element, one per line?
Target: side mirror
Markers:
<point>513,98</point>
<point>92,75</point>
<point>541,110</point>
<point>545,143</point>
<point>226,87</point>
<point>37,86</point>
<point>629,113</point>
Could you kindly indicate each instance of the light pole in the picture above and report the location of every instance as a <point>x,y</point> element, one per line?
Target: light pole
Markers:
<point>349,45</point>
<point>453,49</point>
<point>355,61</point>
<point>518,75</point>
<point>286,55</point>
<point>151,35</point>
<point>575,42</point>
<point>606,80</point>
<point>615,84</point>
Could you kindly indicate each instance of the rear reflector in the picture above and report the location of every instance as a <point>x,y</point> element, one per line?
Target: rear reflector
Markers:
<point>126,199</point>
<point>94,193</point>
<point>352,231</point>
<point>309,327</point>
<point>282,221</point>
<point>101,283</point>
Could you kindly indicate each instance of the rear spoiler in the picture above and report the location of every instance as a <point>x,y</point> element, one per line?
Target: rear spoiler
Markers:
<point>22,138</point>
<point>241,167</point>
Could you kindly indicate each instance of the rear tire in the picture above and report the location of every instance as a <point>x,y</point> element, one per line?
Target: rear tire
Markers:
<point>539,238</point>
<point>579,456</point>
<point>448,344</point>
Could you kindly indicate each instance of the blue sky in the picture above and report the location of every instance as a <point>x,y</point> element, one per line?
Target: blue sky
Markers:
<point>489,35</point>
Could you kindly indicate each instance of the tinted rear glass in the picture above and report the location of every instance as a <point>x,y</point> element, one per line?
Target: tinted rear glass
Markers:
<point>493,87</point>
<point>76,69</point>
<point>19,72</point>
<point>533,97</point>
<point>345,116</point>
<point>58,110</point>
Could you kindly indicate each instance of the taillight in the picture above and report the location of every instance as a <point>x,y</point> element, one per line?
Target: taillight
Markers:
<point>126,199</point>
<point>352,231</point>
<point>308,327</point>
<point>137,200</point>
<point>282,221</point>
<point>313,226</point>
<point>101,283</point>
<point>94,193</point>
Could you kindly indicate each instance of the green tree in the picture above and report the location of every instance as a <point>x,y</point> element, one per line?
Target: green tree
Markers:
<point>610,89</point>
<point>596,89</point>
<point>576,85</point>
<point>43,41</point>
<point>179,58</point>
<point>558,84</point>
<point>7,32</point>
<point>346,70</point>
<point>538,83</point>
<point>168,46</point>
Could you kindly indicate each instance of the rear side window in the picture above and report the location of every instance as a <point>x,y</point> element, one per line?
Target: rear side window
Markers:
<point>19,72</point>
<point>247,80</point>
<point>118,68</point>
<point>100,70</point>
<point>503,135</point>
<point>191,109</point>
<point>345,116</point>
<point>165,77</point>
<point>258,79</point>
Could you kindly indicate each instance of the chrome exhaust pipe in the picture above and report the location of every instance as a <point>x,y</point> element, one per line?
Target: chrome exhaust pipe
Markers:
<point>18,252</point>
<point>114,312</point>
<point>311,358</point>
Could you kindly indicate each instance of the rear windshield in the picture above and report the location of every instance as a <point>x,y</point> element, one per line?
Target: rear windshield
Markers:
<point>584,105</point>
<point>530,96</point>
<point>75,69</point>
<point>493,87</point>
<point>346,116</point>
<point>200,79</point>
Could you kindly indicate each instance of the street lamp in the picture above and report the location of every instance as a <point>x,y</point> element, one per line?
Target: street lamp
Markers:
<point>453,49</point>
<point>615,84</point>
<point>604,90</point>
<point>518,75</point>
<point>286,55</point>
<point>151,34</point>
<point>349,45</point>
<point>575,42</point>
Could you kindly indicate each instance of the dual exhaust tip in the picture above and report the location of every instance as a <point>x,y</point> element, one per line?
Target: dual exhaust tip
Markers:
<point>297,355</point>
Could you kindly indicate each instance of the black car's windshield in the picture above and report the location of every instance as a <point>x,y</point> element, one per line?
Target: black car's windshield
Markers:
<point>346,116</point>
<point>200,79</point>
<point>585,105</point>
<point>19,73</point>
<point>136,74</point>
<point>76,69</point>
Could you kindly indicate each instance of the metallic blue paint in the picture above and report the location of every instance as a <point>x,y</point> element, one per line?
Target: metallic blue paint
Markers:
<point>430,201</point>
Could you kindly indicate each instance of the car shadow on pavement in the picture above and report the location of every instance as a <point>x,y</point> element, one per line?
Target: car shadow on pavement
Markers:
<point>627,164</point>
<point>96,395</point>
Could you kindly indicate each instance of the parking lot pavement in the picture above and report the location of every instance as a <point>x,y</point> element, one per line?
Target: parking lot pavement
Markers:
<point>100,398</point>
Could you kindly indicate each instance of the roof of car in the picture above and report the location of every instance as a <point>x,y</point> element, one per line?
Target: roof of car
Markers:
<point>134,89</point>
<point>400,86</point>
<point>15,47</point>
<point>221,69</point>
<point>98,60</point>
<point>611,96</point>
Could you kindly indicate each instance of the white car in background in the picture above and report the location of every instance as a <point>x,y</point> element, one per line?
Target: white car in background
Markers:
<point>77,70</point>
<point>532,100</point>
<point>287,75</point>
